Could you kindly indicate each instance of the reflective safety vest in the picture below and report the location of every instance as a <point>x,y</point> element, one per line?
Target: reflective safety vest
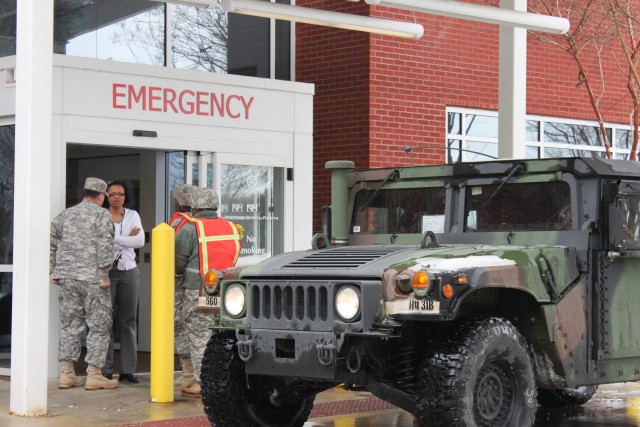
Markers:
<point>218,243</point>
<point>178,220</point>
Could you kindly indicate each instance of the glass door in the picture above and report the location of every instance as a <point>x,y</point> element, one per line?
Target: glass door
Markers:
<point>251,191</point>
<point>252,196</point>
<point>7,162</point>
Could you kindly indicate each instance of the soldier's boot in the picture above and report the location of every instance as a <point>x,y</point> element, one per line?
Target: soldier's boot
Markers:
<point>193,391</point>
<point>68,377</point>
<point>95,380</point>
<point>187,378</point>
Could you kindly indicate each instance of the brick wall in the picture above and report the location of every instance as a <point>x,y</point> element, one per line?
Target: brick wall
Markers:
<point>375,94</point>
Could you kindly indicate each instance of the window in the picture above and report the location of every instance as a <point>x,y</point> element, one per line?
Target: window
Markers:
<point>396,211</point>
<point>199,38</point>
<point>524,207</point>
<point>118,30</point>
<point>624,226</point>
<point>472,135</point>
<point>136,30</point>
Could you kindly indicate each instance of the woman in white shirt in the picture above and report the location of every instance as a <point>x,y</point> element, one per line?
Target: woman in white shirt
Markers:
<point>125,281</point>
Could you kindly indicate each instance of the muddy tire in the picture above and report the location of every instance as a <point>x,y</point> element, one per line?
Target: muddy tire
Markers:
<point>480,374</point>
<point>231,399</point>
<point>563,397</point>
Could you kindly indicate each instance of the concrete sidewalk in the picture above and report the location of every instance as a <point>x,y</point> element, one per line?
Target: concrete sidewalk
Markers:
<point>130,405</point>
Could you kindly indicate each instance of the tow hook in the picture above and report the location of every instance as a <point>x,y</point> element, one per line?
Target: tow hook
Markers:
<point>246,349</point>
<point>354,361</point>
<point>326,352</point>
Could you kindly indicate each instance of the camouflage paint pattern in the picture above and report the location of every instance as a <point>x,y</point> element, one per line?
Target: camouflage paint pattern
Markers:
<point>84,304</point>
<point>572,293</point>
<point>81,243</point>
<point>181,339</point>
<point>196,327</point>
<point>203,198</point>
<point>81,254</point>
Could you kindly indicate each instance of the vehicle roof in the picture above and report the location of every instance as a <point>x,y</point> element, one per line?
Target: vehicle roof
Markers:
<point>579,166</point>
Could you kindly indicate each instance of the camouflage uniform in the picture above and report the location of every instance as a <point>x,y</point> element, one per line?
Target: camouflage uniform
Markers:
<point>181,194</point>
<point>187,263</point>
<point>80,255</point>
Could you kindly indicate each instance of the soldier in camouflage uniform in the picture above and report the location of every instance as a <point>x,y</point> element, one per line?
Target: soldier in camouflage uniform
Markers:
<point>181,195</point>
<point>204,204</point>
<point>80,256</point>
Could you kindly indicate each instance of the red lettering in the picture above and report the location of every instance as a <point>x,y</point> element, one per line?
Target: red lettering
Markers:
<point>182,103</point>
<point>233,116</point>
<point>137,97</point>
<point>201,102</point>
<point>246,106</point>
<point>117,94</point>
<point>219,104</point>
<point>169,97</point>
<point>154,96</point>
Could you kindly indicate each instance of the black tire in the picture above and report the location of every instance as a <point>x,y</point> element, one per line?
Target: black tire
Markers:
<point>563,397</point>
<point>231,399</point>
<point>480,375</point>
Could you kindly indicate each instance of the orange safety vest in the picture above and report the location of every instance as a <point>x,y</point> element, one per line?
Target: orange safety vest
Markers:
<point>185,218</point>
<point>218,243</point>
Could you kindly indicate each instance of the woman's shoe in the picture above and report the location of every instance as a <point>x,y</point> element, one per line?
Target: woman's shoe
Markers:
<point>129,378</point>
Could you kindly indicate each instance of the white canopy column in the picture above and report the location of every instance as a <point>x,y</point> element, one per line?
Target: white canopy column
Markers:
<point>512,86</point>
<point>32,207</point>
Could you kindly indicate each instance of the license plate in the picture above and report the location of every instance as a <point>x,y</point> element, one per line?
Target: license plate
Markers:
<point>412,306</point>
<point>208,305</point>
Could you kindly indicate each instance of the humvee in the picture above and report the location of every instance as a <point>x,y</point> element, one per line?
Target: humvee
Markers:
<point>466,294</point>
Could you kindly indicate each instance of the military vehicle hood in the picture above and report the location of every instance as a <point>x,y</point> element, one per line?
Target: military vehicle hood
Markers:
<point>502,266</point>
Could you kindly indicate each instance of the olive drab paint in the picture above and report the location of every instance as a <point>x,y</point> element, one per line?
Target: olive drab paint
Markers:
<point>528,275</point>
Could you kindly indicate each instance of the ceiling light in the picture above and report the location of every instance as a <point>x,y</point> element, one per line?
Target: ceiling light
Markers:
<point>324,17</point>
<point>482,13</point>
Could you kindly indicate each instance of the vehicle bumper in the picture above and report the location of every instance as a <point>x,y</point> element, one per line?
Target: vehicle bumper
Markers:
<point>305,354</point>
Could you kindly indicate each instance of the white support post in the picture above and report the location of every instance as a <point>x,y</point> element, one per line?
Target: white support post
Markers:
<point>32,198</point>
<point>512,90</point>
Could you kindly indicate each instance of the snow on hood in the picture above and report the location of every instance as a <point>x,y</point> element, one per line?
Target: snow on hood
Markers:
<point>444,265</point>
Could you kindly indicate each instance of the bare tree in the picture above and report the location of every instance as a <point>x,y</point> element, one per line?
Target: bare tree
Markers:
<point>625,19</point>
<point>591,32</point>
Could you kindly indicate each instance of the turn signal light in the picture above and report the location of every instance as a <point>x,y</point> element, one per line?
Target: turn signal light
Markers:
<point>447,291</point>
<point>460,279</point>
<point>420,280</point>
<point>210,278</point>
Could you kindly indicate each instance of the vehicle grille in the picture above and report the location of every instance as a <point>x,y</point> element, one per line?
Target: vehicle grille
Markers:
<point>291,301</point>
<point>336,258</point>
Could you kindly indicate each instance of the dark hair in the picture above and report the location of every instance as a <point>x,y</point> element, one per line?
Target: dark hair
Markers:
<point>124,189</point>
<point>120,183</point>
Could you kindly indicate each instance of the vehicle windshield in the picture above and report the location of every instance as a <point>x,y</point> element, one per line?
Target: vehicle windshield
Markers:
<point>530,206</point>
<point>398,211</point>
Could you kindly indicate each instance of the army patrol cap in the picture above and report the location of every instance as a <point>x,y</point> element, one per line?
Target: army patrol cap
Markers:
<point>95,184</point>
<point>182,194</point>
<point>204,198</point>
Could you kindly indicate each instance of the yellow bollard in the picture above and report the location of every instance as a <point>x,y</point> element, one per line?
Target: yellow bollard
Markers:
<point>162,294</point>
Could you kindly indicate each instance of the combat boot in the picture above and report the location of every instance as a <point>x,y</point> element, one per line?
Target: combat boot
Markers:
<point>95,380</point>
<point>68,377</point>
<point>187,378</point>
<point>193,391</point>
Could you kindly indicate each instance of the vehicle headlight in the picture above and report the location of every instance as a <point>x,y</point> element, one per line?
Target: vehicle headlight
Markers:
<point>348,303</point>
<point>234,300</point>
